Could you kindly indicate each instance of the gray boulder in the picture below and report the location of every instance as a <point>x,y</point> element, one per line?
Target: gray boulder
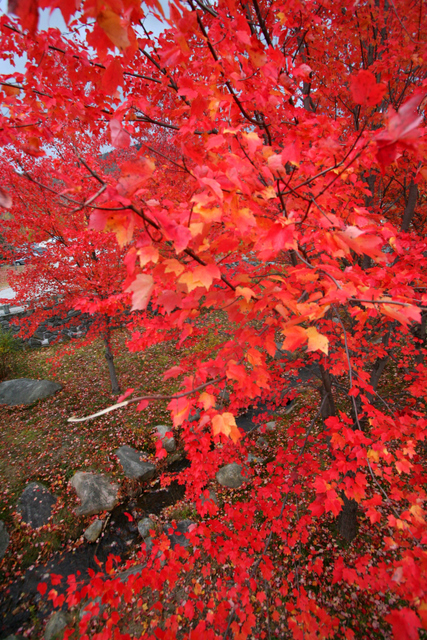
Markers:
<point>35,505</point>
<point>168,443</point>
<point>230,475</point>
<point>94,530</point>
<point>144,527</point>
<point>251,459</point>
<point>176,534</point>
<point>25,391</point>
<point>96,493</point>
<point>4,539</point>
<point>94,608</point>
<point>211,497</point>
<point>133,464</point>
<point>133,571</point>
<point>57,623</point>
<point>271,426</point>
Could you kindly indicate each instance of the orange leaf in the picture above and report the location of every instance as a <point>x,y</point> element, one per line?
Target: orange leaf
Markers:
<point>10,90</point>
<point>207,399</point>
<point>111,24</point>
<point>245,292</point>
<point>295,337</point>
<point>202,276</point>
<point>316,341</point>
<point>148,254</point>
<point>226,424</point>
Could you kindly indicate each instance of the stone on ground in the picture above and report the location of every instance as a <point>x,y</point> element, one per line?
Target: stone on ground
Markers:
<point>133,571</point>
<point>271,426</point>
<point>4,539</point>
<point>35,505</point>
<point>211,497</point>
<point>25,391</point>
<point>94,530</point>
<point>133,464</point>
<point>144,527</point>
<point>94,607</point>
<point>176,534</point>
<point>168,443</point>
<point>230,475</point>
<point>95,491</point>
<point>57,623</point>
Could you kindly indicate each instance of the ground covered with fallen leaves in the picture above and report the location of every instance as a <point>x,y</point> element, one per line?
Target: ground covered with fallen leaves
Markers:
<point>38,444</point>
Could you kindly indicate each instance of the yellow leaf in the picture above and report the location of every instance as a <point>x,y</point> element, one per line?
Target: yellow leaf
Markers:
<point>316,341</point>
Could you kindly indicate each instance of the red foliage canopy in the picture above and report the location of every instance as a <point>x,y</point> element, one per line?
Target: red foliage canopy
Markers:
<point>280,181</point>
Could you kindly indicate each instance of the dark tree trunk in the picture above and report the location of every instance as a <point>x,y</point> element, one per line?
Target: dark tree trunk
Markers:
<point>347,520</point>
<point>115,387</point>
<point>421,334</point>
<point>366,261</point>
<point>410,206</point>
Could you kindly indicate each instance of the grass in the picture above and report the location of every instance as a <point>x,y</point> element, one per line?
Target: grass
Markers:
<point>40,445</point>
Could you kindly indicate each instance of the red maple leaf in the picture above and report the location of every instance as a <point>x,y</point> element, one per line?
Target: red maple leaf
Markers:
<point>365,90</point>
<point>404,623</point>
<point>401,132</point>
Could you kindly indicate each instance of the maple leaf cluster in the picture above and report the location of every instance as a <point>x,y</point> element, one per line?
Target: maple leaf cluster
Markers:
<point>267,164</point>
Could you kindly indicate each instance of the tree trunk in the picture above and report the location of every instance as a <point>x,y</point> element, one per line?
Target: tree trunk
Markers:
<point>421,334</point>
<point>347,520</point>
<point>115,387</point>
<point>410,206</point>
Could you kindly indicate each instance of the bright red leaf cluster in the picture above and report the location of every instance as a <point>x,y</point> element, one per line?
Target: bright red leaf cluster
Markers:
<point>270,167</point>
